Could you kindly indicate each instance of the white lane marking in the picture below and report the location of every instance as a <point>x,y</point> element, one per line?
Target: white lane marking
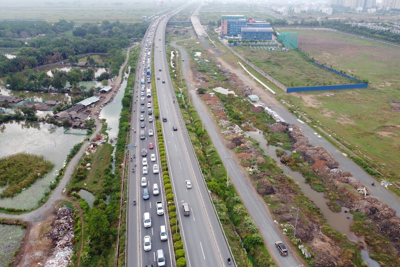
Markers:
<point>150,204</point>
<point>154,255</point>
<point>152,233</point>
<point>193,215</point>
<point>202,250</point>
<point>176,148</point>
<point>180,165</point>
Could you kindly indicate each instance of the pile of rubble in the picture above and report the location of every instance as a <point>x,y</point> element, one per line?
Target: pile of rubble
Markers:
<point>61,234</point>
<point>100,139</point>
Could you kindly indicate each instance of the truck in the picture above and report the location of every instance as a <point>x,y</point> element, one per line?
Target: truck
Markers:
<point>142,81</point>
<point>148,72</point>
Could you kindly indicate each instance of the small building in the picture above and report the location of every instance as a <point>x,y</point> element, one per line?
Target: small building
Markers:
<point>89,101</point>
<point>256,33</point>
<point>82,64</point>
<point>105,89</point>
<point>254,98</point>
<point>224,22</point>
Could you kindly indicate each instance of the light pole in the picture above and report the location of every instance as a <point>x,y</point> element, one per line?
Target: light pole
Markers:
<point>297,216</point>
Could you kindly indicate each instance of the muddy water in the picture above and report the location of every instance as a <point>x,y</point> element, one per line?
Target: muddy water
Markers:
<point>40,139</point>
<point>10,241</point>
<point>339,221</point>
<point>37,96</point>
<point>97,73</point>
<point>111,113</point>
<point>87,196</point>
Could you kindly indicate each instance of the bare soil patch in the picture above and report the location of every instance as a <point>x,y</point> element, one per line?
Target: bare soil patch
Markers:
<point>309,100</point>
<point>344,119</point>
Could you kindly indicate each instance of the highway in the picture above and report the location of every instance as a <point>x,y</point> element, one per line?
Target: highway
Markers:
<point>202,235</point>
<point>136,256</point>
<point>254,203</point>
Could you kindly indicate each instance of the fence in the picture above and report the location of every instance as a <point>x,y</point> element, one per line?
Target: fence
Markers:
<point>327,87</point>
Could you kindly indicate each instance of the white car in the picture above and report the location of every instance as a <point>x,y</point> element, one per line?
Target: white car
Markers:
<point>145,170</point>
<point>144,161</point>
<point>160,209</point>
<point>156,191</point>
<point>188,184</point>
<point>153,157</point>
<point>149,105</point>
<point>151,133</point>
<point>155,168</point>
<point>150,118</point>
<point>163,233</point>
<point>147,243</point>
<point>143,182</point>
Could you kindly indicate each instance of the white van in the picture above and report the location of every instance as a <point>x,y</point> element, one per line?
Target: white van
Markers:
<point>148,91</point>
<point>146,220</point>
<point>160,258</point>
<point>163,233</point>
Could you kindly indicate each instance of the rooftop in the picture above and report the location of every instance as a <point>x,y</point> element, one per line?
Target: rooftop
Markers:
<point>88,101</point>
<point>257,30</point>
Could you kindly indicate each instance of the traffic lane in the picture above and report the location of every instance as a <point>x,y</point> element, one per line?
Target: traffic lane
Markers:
<point>213,220</point>
<point>178,160</point>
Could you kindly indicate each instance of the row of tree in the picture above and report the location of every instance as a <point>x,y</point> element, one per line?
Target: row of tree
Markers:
<point>24,29</point>
<point>44,50</point>
<point>33,81</point>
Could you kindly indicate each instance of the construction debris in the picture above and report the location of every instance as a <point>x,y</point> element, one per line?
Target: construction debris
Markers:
<point>61,234</point>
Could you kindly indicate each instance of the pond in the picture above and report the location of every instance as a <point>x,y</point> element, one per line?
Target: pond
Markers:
<point>340,221</point>
<point>10,241</point>
<point>98,71</point>
<point>39,139</point>
<point>87,196</point>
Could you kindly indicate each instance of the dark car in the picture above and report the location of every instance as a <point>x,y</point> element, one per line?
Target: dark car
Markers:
<point>150,111</point>
<point>144,152</point>
<point>159,69</point>
<point>142,109</point>
<point>164,119</point>
<point>282,248</point>
<point>146,194</point>
<point>163,81</point>
<point>174,128</point>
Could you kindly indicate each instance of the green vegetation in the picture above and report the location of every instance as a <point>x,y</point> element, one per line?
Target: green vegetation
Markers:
<point>293,69</point>
<point>226,200</point>
<point>11,235</point>
<point>20,171</point>
<point>88,38</point>
<point>365,120</point>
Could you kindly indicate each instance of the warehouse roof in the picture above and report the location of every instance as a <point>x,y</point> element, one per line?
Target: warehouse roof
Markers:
<point>106,89</point>
<point>88,101</point>
<point>257,30</point>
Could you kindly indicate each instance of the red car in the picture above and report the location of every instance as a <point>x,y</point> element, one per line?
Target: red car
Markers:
<point>151,146</point>
<point>149,101</point>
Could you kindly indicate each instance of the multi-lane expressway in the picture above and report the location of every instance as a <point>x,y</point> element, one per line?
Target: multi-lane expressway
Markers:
<point>202,235</point>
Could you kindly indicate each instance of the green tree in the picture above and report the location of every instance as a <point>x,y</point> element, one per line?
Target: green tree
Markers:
<point>90,124</point>
<point>98,227</point>
<point>58,82</point>
<point>104,82</point>
<point>74,77</point>
<point>88,74</point>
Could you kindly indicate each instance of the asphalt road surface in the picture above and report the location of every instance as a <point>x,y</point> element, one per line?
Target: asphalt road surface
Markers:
<point>136,230</point>
<point>203,237</point>
<point>254,203</point>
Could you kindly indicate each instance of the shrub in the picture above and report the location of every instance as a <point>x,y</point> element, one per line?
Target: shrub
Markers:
<point>178,245</point>
<point>167,182</point>
<point>172,214</point>
<point>173,221</point>
<point>171,208</point>
<point>177,237</point>
<point>167,186</point>
<point>181,262</point>
<point>175,229</point>
<point>170,196</point>
<point>168,191</point>
<point>180,253</point>
<point>165,173</point>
